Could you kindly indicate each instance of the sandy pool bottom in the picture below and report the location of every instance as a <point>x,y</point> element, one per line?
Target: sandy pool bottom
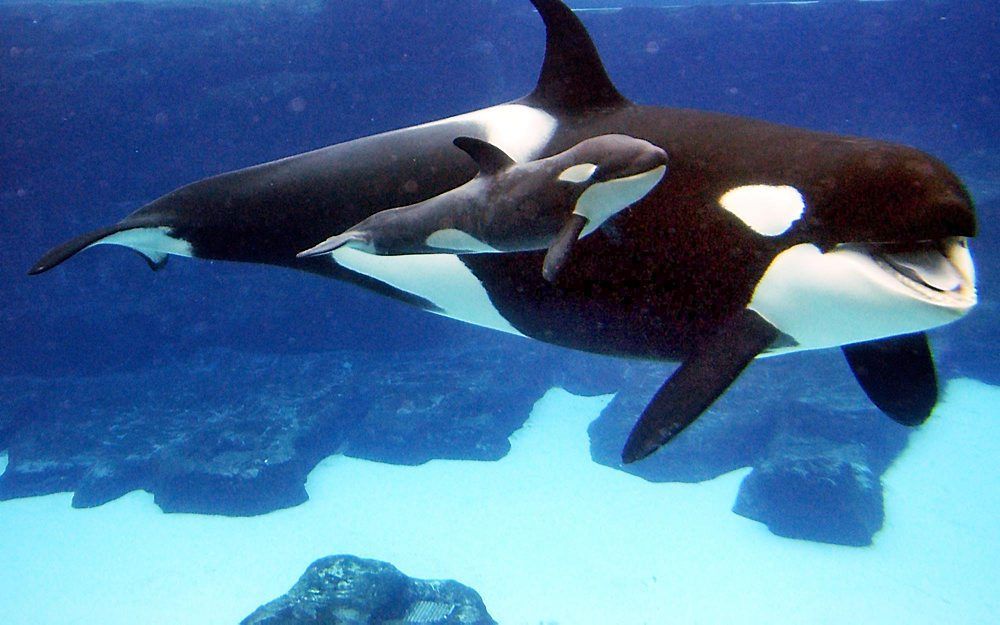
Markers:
<point>545,535</point>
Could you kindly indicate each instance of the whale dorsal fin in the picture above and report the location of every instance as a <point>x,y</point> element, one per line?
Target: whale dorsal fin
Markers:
<point>573,77</point>
<point>488,157</point>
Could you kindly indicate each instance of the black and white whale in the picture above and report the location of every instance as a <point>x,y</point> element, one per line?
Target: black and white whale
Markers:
<point>762,238</point>
<point>545,204</point>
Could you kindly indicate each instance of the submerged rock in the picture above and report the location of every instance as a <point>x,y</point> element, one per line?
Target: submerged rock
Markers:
<point>820,477</point>
<point>215,435</point>
<point>437,404</point>
<point>816,446</point>
<point>812,490</point>
<point>347,590</point>
<point>237,434</point>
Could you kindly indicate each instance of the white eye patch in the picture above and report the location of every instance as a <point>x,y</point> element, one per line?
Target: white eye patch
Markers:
<point>767,209</point>
<point>603,200</point>
<point>578,173</point>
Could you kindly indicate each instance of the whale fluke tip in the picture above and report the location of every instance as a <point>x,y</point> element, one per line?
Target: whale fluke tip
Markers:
<point>58,254</point>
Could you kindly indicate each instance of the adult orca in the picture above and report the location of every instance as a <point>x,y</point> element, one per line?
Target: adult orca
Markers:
<point>761,239</point>
<point>546,204</point>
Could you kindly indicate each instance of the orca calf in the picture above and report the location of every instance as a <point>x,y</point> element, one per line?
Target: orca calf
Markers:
<point>761,239</point>
<point>544,204</point>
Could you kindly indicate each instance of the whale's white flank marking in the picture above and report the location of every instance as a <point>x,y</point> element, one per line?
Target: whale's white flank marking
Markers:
<point>455,240</point>
<point>438,278</point>
<point>153,243</point>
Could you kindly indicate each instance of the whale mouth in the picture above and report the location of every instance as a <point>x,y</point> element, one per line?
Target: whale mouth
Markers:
<point>939,272</point>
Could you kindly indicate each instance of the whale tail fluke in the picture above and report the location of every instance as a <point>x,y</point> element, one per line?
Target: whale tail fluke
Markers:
<point>70,248</point>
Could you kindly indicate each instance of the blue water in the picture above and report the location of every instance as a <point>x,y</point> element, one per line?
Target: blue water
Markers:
<point>108,106</point>
<point>105,106</point>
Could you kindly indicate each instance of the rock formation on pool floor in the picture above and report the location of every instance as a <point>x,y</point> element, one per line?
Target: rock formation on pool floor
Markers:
<point>237,433</point>
<point>816,446</point>
<point>347,590</point>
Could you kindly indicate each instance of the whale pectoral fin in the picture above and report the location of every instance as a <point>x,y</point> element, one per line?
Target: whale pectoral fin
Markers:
<point>333,243</point>
<point>562,245</point>
<point>701,378</point>
<point>897,374</point>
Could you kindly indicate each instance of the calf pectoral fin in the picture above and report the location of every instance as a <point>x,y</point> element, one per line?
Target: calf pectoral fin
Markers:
<point>562,245</point>
<point>897,374</point>
<point>702,377</point>
<point>335,242</point>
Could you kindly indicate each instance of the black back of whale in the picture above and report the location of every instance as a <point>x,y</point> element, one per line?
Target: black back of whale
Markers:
<point>671,273</point>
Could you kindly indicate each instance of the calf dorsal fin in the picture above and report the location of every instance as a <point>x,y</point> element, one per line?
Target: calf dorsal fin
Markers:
<point>489,158</point>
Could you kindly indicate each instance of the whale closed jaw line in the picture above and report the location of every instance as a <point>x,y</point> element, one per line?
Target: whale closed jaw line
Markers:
<point>863,292</point>
<point>753,240</point>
